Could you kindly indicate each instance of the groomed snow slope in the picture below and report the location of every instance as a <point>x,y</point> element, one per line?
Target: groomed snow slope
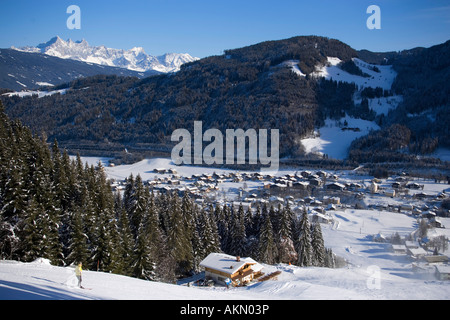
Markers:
<point>383,79</point>
<point>334,141</point>
<point>331,139</point>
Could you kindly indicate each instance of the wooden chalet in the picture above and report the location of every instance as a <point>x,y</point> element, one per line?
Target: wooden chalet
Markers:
<point>229,270</point>
<point>335,186</point>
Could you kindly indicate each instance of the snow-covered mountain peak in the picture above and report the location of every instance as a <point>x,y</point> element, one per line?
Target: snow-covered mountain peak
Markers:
<point>135,59</point>
<point>138,50</point>
<point>53,41</point>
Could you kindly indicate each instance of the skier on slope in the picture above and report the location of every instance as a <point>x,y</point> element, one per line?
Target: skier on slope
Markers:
<point>78,271</point>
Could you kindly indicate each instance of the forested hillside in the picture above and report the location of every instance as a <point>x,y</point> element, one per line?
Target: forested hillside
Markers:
<point>245,88</point>
<point>250,87</point>
<point>57,208</point>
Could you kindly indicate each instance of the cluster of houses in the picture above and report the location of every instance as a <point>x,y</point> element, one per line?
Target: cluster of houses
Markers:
<point>304,180</point>
<point>402,186</point>
<point>424,262</point>
<point>415,203</point>
<point>298,189</point>
<point>319,192</point>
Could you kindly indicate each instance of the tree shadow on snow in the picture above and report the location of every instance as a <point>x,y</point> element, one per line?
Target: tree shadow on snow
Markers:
<point>19,291</point>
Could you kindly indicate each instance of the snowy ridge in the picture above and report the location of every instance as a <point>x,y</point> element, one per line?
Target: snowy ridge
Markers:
<point>134,59</point>
<point>40,94</point>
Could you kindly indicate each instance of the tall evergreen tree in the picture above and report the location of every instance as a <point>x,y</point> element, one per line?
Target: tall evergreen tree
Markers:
<point>304,249</point>
<point>144,262</point>
<point>285,243</point>
<point>286,222</point>
<point>275,220</point>
<point>137,204</point>
<point>237,233</point>
<point>222,226</point>
<point>78,246</point>
<point>179,237</point>
<point>32,239</point>
<point>198,246</point>
<point>208,230</point>
<point>256,221</point>
<point>318,246</point>
<point>14,195</point>
<point>126,240</point>
<point>104,222</point>
<point>248,222</point>
<point>267,247</point>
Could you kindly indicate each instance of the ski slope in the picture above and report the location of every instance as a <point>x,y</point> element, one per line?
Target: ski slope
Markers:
<point>334,141</point>
<point>383,79</point>
<point>373,272</point>
<point>331,139</point>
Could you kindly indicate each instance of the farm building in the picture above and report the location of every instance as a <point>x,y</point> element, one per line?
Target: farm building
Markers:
<point>223,268</point>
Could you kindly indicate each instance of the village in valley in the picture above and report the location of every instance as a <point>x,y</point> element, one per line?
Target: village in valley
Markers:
<point>373,210</point>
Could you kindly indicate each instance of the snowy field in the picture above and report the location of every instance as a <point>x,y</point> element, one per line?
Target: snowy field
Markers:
<point>373,271</point>
<point>335,142</point>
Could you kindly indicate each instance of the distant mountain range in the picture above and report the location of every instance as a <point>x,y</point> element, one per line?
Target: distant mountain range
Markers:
<point>58,61</point>
<point>134,59</point>
<point>26,71</point>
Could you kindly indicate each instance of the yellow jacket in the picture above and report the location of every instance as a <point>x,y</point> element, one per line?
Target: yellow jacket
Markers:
<point>78,270</point>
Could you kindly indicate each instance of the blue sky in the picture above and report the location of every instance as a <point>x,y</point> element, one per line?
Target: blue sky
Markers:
<point>207,27</point>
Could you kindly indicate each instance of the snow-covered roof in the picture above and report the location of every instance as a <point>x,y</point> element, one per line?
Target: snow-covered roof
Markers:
<point>443,268</point>
<point>227,263</point>
<point>417,251</point>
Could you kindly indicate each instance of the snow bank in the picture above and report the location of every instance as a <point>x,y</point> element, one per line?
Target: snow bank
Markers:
<point>42,261</point>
